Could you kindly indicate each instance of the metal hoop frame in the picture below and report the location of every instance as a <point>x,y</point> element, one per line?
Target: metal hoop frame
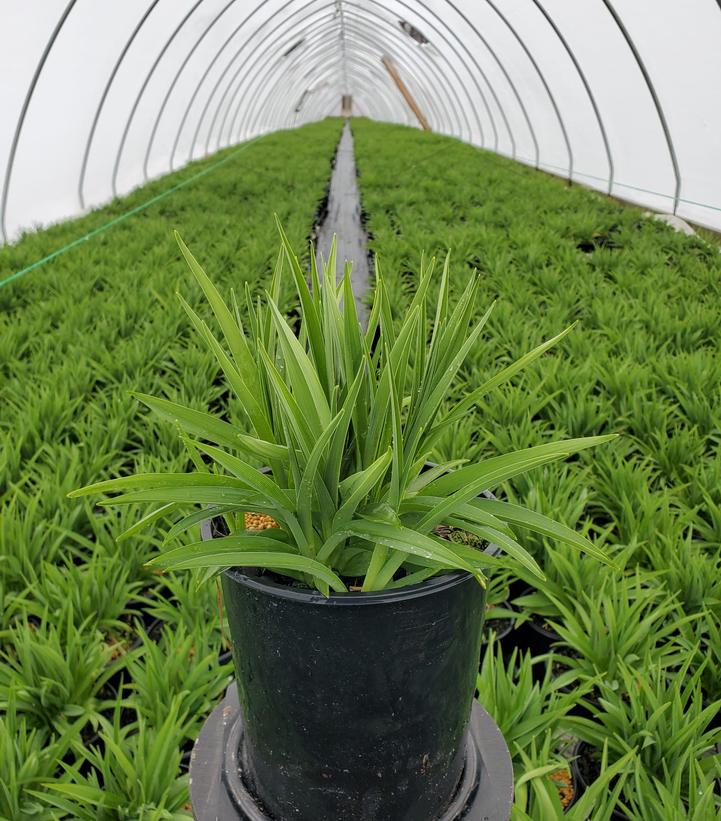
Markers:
<point>411,56</point>
<point>654,96</point>
<point>275,105</point>
<point>441,89</point>
<point>23,112</point>
<point>251,77</point>
<point>274,30</point>
<point>104,96</point>
<point>288,96</point>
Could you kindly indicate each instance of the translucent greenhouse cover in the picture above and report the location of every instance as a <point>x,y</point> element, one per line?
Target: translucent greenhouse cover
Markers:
<point>98,97</point>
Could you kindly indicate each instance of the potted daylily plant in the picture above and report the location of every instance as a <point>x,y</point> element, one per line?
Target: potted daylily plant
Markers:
<point>356,626</point>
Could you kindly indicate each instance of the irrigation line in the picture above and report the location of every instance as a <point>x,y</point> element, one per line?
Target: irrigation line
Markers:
<point>529,162</point>
<point>126,215</point>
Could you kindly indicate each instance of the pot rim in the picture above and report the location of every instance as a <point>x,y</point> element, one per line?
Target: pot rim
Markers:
<point>269,587</point>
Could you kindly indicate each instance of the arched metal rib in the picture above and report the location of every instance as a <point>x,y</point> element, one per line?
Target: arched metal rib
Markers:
<point>332,95</point>
<point>103,97</point>
<point>411,55</point>
<point>252,116</point>
<point>432,27</point>
<point>354,23</point>
<point>378,90</point>
<point>136,103</point>
<point>586,85</point>
<point>657,103</point>
<point>23,112</point>
<point>510,82</point>
<point>255,72</point>
<point>542,78</point>
<point>273,103</point>
<point>176,77</point>
<point>480,71</point>
<point>209,68</point>
<point>420,67</point>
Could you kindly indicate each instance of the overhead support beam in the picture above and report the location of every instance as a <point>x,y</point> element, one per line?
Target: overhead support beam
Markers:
<point>404,90</point>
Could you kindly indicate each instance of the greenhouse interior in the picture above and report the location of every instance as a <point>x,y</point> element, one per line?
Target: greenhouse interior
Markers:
<point>360,410</point>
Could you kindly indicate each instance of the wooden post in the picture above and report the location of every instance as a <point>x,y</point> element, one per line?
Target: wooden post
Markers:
<point>403,88</point>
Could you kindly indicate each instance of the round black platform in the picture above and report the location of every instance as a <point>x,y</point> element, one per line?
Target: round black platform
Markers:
<point>217,791</point>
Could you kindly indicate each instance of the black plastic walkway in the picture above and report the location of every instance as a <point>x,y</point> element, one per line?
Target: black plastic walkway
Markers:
<point>344,220</point>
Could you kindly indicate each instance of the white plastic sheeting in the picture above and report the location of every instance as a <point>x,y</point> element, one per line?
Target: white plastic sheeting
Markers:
<point>96,98</point>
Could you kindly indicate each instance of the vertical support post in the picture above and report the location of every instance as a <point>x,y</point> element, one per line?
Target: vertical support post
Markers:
<point>390,67</point>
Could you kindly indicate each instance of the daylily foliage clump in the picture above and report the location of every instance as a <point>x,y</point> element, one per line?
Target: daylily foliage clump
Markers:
<point>346,420</point>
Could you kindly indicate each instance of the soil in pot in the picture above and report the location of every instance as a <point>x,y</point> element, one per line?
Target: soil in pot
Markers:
<point>559,666</point>
<point>535,634</point>
<point>585,769</point>
<point>259,521</point>
<point>566,789</point>
<point>501,627</point>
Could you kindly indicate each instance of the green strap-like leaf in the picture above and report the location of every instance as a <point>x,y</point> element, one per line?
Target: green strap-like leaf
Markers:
<point>197,423</point>
<point>410,541</point>
<point>246,393</point>
<point>312,476</point>
<point>502,376</point>
<point>260,449</point>
<point>491,472</point>
<point>146,520</point>
<point>197,517</point>
<point>232,333</point>
<point>291,411</point>
<point>159,480</point>
<point>195,495</point>
<point>300,372</point>
<point>311,320</point>
<point>427,476</point>
<point>265,486</point>
<point>337,445</point>
<point>522,517</point>
<point>363,482</point>
<point>507,543</point>
<point>240,551</point>
<point>430,404</point>
<point>249,476</point>
<point>424,504</point>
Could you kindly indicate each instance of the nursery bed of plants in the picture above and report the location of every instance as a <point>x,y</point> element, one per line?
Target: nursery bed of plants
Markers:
<point>107,670</point>
<point>617,669</point>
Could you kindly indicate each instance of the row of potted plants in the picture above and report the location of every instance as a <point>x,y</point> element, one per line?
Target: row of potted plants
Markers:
<point>90,636</point>
<point>644,362</point>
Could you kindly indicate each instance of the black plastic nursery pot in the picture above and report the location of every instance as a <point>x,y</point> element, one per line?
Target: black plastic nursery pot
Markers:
<point>355,706</point>
<point>533,634</point>
<point>585,769</point>
<point>503,633</point>
<point>502,628</point>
